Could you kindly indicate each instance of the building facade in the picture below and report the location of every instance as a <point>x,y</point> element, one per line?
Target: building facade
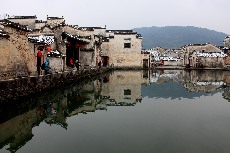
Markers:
<point>203,55</point>
<point>17,54</point>
<point>122,48</point>
<point>27,42</point>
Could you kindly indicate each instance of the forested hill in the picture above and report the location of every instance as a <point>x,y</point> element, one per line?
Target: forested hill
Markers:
<point>178,36</point>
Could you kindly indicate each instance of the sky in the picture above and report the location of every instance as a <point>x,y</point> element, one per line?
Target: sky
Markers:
<point>127,14</point>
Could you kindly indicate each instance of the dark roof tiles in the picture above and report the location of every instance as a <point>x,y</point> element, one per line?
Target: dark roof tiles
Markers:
<point>3,34</point>
<point>90,28</point>
<point>18,26</point>
<point>23,17</point>
<point>54,18</point>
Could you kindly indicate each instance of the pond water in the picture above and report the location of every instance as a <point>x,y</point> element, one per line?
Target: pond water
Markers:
<point>167,111</point>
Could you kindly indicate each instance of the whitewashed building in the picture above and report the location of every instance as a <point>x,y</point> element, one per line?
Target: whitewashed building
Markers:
<point>122,48</point>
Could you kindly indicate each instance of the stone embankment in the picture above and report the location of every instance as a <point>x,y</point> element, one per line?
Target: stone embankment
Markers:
<point>14,89</point>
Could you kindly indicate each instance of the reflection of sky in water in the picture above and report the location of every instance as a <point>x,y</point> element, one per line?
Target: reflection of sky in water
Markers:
<point>170,90</point>
<point>156,76</point>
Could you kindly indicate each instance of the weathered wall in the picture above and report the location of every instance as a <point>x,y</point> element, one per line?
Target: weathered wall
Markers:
<point>213,62</point>
<point>19,59</point>
<point>56,64</point>
<point>91,41</point>
<point>87,59</point>
<point>126,60</point>
<point>124,57</point>
<point>227,60</point>
<point>4,52</point>
<point>208,62</point>
<point>173,63</point>
<point>105,49</point>
<point>22,55</point>
<point>6,67</point>
<point>59,44</point>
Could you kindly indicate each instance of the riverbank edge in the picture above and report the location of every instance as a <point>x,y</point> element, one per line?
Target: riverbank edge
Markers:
<point>15,89</point>
<point>19,88</point>
<point>168,68</point>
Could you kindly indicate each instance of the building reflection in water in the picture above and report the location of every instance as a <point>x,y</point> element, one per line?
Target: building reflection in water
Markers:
<point>121,88</point>
<point>193,81</point>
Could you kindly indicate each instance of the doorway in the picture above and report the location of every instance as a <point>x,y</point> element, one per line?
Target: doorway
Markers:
<point>145,63</point>
<point>105,61</point>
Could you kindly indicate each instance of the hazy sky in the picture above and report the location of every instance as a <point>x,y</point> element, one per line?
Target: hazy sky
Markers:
<point>128,14</point>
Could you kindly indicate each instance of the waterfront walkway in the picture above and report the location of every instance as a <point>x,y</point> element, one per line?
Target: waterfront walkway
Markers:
<point>13,89</point>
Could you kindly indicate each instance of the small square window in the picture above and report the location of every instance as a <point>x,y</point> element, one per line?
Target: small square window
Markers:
<point>127,92</point>
<point>127,45</point>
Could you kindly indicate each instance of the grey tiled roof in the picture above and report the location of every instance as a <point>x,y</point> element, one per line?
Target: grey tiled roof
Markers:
<point>3,34</point>
<point>18,26</point>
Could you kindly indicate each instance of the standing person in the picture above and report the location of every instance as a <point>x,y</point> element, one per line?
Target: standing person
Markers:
<point>102,62</point>
<point>39,55</point>
<point>47,66</point>
<point>77,64</point>
<point>99,64</point>
<point>43,68</point>
<point>71,62</point>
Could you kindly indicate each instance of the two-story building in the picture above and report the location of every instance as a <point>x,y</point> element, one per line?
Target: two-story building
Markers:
<point>122,48</point>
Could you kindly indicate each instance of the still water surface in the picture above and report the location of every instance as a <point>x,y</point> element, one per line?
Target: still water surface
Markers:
<point>125,112</point>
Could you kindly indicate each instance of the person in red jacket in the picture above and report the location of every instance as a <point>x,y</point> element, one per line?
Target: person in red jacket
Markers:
<point>71,62</point>
<point>39,62</point>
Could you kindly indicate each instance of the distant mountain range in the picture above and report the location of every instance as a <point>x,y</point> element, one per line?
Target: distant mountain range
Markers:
<point>172,37</point>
